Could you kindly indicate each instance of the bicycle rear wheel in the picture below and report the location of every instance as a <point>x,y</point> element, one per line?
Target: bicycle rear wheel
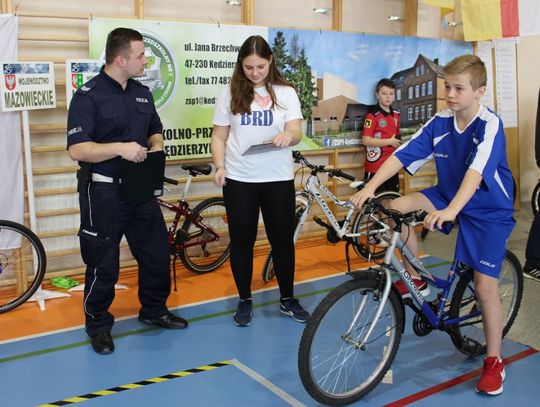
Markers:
<point>371,245</point>
<point>202,252</point>
<point>333,368</point>
<point>22,264</point>
<point>468,337</point>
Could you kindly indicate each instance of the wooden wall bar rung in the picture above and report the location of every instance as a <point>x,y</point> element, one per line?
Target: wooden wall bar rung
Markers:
<point>48,149</point>
<point>55,170</point>
<point>48,128</point>
<point>52,37</point>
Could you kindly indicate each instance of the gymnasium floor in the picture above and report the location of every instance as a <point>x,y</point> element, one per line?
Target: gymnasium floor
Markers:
<point>45,357</point>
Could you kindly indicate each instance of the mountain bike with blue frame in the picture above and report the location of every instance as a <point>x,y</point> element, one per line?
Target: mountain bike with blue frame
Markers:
<point>22,264</point>
<point>352,337</point>
<point>366,230</point>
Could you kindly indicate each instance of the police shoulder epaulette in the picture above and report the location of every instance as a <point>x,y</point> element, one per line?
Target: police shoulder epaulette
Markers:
<point>87,87</point>
<point>140,84</point>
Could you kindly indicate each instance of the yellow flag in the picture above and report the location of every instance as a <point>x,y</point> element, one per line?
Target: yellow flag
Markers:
<point>447,6</point>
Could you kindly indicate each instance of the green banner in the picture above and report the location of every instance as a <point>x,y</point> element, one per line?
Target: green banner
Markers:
<point>188,65</point>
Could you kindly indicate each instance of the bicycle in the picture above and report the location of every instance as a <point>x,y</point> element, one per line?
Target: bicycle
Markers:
<point>352,337</point>
<point>535,198</point>
<point>22,264</point>
<point>202,242</point>
<point>369,241</point>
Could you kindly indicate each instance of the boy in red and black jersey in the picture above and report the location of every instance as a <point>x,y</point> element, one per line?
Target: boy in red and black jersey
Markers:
<point>381,133</point>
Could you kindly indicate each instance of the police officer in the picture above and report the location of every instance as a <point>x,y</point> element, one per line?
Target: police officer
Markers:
<point>113,117</point>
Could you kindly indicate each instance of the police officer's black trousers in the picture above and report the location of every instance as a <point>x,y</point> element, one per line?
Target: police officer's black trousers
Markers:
<point>104,220</point>
<point>276,201</point>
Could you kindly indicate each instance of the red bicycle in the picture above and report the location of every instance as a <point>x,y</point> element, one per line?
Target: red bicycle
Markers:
<point>202,242</point>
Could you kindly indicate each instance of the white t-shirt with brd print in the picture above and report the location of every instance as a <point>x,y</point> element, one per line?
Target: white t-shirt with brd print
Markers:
<point>256,128</point>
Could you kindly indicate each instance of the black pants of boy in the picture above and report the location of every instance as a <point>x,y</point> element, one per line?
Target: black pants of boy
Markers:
<point>276,201</point>
<point>532,251</point>
<point>104,220</point>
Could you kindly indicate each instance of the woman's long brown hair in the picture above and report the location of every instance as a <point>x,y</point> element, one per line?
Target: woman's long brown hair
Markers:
<point>242,91</point>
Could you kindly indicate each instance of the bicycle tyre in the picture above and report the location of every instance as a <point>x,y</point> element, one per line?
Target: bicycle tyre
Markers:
<point>19,280</point>
<point>208,255</point>
<point>535,199</point>
<point>268,272</point>
<point>333,371</point>
<point>368,247</point>
<point>467,338</point>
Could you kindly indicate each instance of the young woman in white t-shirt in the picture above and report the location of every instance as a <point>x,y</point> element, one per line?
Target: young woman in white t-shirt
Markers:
<point>259,107</point>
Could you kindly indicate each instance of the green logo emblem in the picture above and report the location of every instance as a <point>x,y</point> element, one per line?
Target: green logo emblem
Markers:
<point>160,73</point>
<point>382,123</point>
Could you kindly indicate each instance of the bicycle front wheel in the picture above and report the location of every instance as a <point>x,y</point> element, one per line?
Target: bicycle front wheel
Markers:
<point>207,245</point>
<point>468,337</point>
<point>334,368</point>
<point>372,244</point>
<point>22,264</point>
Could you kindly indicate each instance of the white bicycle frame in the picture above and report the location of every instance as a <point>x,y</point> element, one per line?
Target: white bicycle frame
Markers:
<point>312,192</point>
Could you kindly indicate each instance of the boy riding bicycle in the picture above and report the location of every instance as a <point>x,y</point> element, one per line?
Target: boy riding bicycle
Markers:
<point>468,144</point>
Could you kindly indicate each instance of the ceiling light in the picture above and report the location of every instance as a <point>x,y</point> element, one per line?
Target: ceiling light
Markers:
<point>233,3</point>
<point>320,10</point>
<point>395,18</point>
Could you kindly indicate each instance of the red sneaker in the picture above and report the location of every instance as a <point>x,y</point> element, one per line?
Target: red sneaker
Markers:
<point>422,286</point>
<point>492,378</point>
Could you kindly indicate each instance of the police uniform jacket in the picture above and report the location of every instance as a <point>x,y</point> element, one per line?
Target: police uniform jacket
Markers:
<point>103,112</point>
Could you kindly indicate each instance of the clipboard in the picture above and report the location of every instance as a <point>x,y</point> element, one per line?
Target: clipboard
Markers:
<point>142,181</point>
<point>260,148</point>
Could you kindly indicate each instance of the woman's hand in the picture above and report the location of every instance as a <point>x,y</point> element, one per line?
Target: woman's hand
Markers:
<point>282,140</point>
<point>219,176</point>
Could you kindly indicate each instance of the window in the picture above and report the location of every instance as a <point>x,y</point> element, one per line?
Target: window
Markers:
<point>409,113</point>
<point>422,112</point>
<point>333,118</point>
<point>410,90</point>
<point>316,119</point>
<point>416,113</point>
<point>423,92</point>
<point>346,118</point>
<point>417,71</point>
<point>430,88</point>
<point>416,91</point>
<point>398,94</point>
<point>429,110</point>
<point>422,70</point>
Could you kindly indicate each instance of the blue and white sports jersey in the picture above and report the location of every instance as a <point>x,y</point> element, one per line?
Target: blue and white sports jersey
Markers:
<point>481,147</point>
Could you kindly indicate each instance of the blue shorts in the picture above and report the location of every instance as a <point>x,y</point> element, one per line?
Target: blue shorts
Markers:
<point>481,243</point>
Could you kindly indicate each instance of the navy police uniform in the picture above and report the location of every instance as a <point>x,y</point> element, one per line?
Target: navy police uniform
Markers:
<point>103,112</point>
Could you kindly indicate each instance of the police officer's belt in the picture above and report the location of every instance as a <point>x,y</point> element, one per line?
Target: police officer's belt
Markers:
<point>103,178</point>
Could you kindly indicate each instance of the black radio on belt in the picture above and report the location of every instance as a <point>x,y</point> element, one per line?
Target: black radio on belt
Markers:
<point>84,175</point>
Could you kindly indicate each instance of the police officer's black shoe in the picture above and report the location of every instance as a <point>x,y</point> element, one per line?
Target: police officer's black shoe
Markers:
<point>102,343</point>
<point>168,321</point>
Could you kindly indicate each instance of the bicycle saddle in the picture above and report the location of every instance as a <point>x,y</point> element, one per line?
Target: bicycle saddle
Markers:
<point>195,169</point>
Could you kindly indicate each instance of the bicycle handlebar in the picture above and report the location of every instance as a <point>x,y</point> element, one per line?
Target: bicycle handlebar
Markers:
<point>299,158</point>
<point>170,180</point>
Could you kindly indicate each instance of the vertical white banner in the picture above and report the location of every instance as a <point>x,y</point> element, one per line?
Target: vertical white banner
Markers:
<point>11,159</point>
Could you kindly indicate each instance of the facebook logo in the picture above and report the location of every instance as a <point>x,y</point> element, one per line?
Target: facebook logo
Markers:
<point>258,118</point>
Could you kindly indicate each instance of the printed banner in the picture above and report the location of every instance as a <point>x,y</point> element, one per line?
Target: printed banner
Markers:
<point>78,72</point>
<point>11,159</point>
<point>334,74</point>
<point>27,86</point>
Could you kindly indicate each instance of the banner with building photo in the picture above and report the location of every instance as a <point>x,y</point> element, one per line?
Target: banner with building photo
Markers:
<point>335,74</point>
<point>11,159</point>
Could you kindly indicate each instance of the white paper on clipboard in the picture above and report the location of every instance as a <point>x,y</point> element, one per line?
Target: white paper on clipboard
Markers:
<point>261,148</point>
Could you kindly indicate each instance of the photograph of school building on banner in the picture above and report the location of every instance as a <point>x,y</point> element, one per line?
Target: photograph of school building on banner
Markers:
<point>344,69</point>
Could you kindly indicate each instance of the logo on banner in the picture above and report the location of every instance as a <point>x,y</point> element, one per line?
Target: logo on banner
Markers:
<point>161,71</point>
<point>77,80</point>
<point>11,81</point>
